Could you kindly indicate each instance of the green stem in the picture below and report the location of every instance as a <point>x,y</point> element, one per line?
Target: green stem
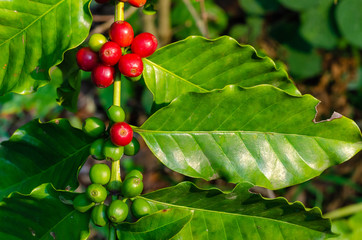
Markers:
<point>344,212</point>
<point>112,233</point>
<point>119,12</point>
<point>115,182</point>
<point>117,89</point>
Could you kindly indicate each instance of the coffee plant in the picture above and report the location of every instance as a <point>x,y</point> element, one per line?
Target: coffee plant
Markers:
<point>220,111</point>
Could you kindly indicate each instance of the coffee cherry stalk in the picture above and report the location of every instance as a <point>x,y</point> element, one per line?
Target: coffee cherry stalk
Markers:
<point>107,60</point>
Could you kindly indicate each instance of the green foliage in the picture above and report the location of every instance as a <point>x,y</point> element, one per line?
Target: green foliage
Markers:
<point>42,152</point>
<point>43,214</point>
<point>33,37</point>
<point>350,228</point>
<point>220,62</point>
<point>260,134</point>
<point>218,215</point>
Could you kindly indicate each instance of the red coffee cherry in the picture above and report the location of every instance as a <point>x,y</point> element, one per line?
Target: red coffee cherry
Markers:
<point>103,76</point>
<point>137,3</point>
<point>110,53</point>
<point>144,44</point>
<point>87,59</point>
<point>121,32</point>
<point>130,65</point>
<point>121,134</point>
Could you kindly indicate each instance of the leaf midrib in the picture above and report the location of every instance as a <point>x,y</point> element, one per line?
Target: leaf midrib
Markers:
<point>140,130</point>
<point>46,170</point>
<point>32,23</point>
<point>227,213</point>
<point>177,76</point>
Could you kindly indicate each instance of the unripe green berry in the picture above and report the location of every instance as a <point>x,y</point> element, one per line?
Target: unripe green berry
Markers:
<point>117,211</point>
<point>99,215</point>
<point>134,173</point>
<point>116,114</point>
<point>132,148</point>
<point>100,173</point>
<point>82,203</point>
<point>111,151</point>
<point>96,149</point>
<point>96,193</point>
<point>132,187</point>
<point>96,41</point>
<point>140,208</point>
<point>93,127</point>
<point>135,79</point>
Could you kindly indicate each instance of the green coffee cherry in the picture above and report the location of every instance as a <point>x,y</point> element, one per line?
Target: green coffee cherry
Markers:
<point>134,173</point>
<point>96,193</point>
<point>82,203</point>
<point>100,173</point>
<point>99,215</point>
<point>132,187</point>
<point>132,148</point>
<point>135,79</point>
<point>117,211</point>
<point>140,208</point>
<point>93,127</point>
<point>111,151</point>
<point>116,114</point>
<point>96,41</point>
<point>96,149</point>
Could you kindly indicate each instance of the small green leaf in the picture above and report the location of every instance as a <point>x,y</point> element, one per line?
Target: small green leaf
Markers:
<point>298,5</point>
<point>200,65</point>
<point>33,37</point>
<point>318,26</point>
<point>162,225</point>
<point>259,134</point>
<point>259,7</point>
<point>349,19</point>
<point>70,76</point>
<point>42,152</point>
<point>43,214</point>
<point>239,214</point>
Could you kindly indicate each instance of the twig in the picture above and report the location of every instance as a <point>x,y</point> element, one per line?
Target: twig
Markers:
<point>199,23</point>
<point>165,31</point>
<point>204,17</point>
<point>105,26</point>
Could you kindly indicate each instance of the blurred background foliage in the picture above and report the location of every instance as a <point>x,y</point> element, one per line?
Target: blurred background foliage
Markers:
<point>319,43</point>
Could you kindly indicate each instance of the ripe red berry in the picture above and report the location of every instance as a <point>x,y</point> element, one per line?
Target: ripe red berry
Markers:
<point>110,53</point>
<point>144,44</point>
<point>121,32</point>
<point>103,76</point>
<point>130,65</point>
<point>87,59</point>
<point>121,134</point>
<point>137,3</point>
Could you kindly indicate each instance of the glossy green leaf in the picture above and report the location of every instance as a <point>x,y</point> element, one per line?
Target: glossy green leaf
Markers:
<point>318,25</point>
<point>162,225</point>
<point>200,65</point>
<point>259,134</point>
<point>298,5</point>
<point>70,76</point>
<point>240,214</point>
<point>43,214</point>
<point>33,37</point>
<point>42,152</point>
<point>349,19</point>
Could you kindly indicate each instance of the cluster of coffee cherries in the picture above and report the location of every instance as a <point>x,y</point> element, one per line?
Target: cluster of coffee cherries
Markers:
<point>118,209</point>
<point>123,49</point>
<point>135,3</point>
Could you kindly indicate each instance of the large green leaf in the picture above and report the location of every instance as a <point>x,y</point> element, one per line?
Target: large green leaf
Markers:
<point>349,19</point>
<point>259,7</point>
<point>240,214</point>
<point>42,214</point>
<point>200,65</point>
<point>299,5</point>
<point>162,225</point>
<point>33,37</point>
<point>40,153</point>
<point>259,134</point>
